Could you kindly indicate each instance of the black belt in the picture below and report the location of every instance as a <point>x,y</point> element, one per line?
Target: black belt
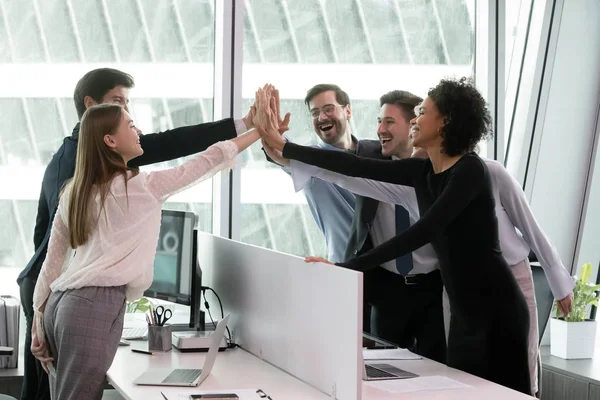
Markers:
<point>417,279</point>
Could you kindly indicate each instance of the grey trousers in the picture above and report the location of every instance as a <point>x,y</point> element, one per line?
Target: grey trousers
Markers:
<point>83,328</point>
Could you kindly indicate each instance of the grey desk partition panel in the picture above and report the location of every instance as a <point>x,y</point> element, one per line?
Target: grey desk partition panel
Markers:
<point>304,318</point>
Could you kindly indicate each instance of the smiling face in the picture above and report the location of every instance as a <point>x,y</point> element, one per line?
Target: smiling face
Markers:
<point>330,119</point>
<point>426,127</point>
<point>393,130</point>
<point>126,139</point>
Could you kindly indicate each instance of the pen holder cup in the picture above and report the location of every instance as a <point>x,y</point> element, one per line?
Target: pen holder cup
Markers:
<point>159,338</point>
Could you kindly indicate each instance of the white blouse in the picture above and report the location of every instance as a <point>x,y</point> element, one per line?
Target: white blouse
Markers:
<point>120,249</point>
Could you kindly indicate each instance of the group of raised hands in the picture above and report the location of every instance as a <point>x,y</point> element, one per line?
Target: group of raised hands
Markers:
<point>265,117</point>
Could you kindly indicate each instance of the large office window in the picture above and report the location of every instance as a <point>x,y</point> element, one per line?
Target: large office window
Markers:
<point>46,46</point>
<point>367,47</point>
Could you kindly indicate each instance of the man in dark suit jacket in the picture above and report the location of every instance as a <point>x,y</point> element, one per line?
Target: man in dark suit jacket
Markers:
<point>103,85</point>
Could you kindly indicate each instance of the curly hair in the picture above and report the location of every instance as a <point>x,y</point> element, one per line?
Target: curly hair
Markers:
<point>468,118</point>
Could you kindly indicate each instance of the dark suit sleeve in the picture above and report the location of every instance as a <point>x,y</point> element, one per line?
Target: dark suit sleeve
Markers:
<point>401,172</point>
<point>184,141</point>
<point>42,221</point>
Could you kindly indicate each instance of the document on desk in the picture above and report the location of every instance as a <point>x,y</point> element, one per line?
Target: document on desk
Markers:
<point>243,394</point>
<point>394,354</point>
<point>420,384</point>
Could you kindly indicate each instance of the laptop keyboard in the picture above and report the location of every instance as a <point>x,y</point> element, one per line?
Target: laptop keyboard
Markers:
<point>183,376</point>
<point>373,372</point>
<point>134,333</point>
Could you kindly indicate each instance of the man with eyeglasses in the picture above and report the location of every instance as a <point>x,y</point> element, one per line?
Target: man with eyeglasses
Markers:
<point>331,206</point>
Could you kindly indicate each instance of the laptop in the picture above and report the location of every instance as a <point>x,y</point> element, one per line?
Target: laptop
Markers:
<point>186,377</point>
<point>378,372</point>
<point>373,342</point>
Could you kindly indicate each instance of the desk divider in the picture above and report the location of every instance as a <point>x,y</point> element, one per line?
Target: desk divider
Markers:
<point>305,319</point>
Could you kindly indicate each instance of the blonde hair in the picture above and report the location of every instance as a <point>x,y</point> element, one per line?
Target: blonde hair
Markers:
<point>95,167</point>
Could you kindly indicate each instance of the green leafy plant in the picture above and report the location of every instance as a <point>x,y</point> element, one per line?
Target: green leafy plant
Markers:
<point>141,305</point>
<point>584,295</point>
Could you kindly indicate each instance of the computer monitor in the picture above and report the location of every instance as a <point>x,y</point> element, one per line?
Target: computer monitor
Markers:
<point>174,264</point>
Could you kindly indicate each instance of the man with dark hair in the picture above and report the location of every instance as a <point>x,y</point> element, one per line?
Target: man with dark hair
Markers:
<point>331,206</point>
<point>405,294</point>
<point>104,85</point>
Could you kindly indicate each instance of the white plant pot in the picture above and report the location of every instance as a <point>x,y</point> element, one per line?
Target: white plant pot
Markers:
<point>572,340</point>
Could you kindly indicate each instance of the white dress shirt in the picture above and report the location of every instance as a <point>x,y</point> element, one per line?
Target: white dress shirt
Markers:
<point>512,210</point>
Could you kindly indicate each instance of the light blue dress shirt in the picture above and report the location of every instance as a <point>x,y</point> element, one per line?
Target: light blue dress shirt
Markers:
<point>332,209</point>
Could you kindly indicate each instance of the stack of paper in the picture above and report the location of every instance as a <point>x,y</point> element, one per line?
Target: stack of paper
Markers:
<point>395,354</point>
<point>10,310</point>
<point>423,383</point>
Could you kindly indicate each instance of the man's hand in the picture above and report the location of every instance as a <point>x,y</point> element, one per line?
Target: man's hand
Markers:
<point>282,123</point>
<point>265,119</point>
<point>317,259</point>
<point>275,155</point>
<point>565,306</point>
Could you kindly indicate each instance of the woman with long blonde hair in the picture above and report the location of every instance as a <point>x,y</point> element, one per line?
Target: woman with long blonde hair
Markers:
<point>110,215</point>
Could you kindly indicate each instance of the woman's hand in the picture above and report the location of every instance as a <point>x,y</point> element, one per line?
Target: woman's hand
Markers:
<point>566,305</point>
<point>39,347</point>
<point>317,259</point>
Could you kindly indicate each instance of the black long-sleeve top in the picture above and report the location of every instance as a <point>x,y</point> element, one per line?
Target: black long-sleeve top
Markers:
<point>457,218</point>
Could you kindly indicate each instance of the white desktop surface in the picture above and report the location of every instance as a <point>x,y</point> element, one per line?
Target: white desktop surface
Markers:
<point>233,369</point>
<point>480,388</point>
<point>237,369</point>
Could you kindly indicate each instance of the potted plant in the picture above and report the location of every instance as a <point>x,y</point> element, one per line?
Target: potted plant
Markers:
<point>575,336</point>
<point>141,305</point>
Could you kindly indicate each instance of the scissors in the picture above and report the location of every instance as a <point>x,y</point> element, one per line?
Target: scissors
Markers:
<point>162,315</point>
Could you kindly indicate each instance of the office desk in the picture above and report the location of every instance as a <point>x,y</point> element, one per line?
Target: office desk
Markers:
<point>233,369</point>
<point>480,388</point>
<point>237,369</point>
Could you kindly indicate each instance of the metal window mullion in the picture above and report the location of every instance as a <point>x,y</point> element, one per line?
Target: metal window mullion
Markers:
<point>229,23</point>
<point>587,194</point>
<point>489,65</point>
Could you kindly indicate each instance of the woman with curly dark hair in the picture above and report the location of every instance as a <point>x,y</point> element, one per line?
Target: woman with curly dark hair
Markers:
<point>489,324</point>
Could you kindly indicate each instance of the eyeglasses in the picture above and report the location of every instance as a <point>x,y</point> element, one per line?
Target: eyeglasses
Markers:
<point>328,110</point>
